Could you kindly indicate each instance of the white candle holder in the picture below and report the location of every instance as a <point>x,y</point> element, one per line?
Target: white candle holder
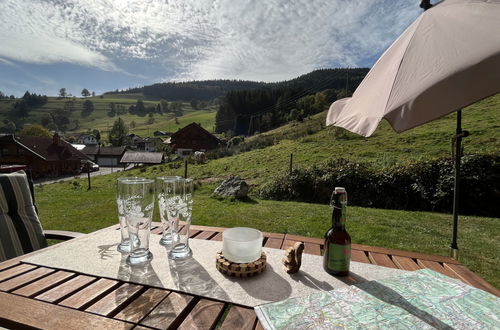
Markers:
<point>241,244</point>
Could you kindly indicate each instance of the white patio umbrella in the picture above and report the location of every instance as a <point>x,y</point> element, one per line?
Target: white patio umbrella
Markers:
<point>447,59</point>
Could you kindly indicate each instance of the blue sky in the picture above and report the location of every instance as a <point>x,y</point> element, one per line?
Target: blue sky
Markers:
<point>104,45</point>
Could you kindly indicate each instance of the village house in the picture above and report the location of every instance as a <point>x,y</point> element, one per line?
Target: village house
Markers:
<point>145,144</point>
<point>87,139</point>
<point>105,156</point>
<point>192,138</point>
<point>43,155</point>
<point>161,133</point>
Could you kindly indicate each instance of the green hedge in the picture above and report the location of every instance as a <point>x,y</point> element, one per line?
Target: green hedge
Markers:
<point>422,186</point>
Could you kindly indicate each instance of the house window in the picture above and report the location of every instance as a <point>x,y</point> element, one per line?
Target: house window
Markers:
<point>5,151</point>
<point>20,152</point>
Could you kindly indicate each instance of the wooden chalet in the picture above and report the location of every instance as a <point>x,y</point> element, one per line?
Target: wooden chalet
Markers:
<point>105,156</point>
<point>43,155</point>
<point>192,138</point>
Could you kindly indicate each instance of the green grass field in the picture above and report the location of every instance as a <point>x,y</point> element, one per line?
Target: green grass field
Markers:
<point>99,119</point>
<point>62,206</point>
<point>69,206</point>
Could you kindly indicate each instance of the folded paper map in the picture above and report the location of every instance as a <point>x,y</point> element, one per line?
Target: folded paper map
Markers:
<point>422,299</point>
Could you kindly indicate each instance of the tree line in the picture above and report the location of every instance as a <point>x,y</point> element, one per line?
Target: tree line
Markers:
<point>205,90</point>
<point>247,112</point>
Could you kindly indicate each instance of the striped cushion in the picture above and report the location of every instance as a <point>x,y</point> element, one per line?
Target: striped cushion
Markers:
<point>20,229</point>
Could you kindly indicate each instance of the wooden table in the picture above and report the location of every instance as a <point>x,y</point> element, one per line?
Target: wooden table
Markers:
<point>32,296</point>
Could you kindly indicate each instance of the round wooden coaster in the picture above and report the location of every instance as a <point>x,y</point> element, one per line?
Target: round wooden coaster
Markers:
<point>241,270</point>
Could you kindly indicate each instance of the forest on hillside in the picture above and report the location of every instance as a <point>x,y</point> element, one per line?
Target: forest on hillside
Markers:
<point>246,112</point>
<point>204,90</point>
<point>248,107</point>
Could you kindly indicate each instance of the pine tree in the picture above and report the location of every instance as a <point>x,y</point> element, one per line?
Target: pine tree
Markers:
<point>118,134</point>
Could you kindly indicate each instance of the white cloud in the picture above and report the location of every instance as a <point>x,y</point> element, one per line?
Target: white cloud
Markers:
<point>202,39</point>
<point>4,61</point>
<point>37,32</point>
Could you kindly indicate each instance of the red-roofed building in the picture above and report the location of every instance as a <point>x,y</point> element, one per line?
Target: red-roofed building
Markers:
<point>192,138</point>
<point>44,156</point>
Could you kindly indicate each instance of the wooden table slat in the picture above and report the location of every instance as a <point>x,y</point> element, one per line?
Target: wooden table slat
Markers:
<point>44,284</point>
<point>273,235</point>
<point>436,266</point>
<point>8,263</point>
<point>274,243</point>
<point>142,305</point>
<point>304,239</point>
<point>170,312</point>
<point>61,291</point>
<point>242,318</point>
<point>21,312</point>
<point>312,248</point>
<point>217,237</point>
<point>208,228</point>
<point>405,263</point>
<point>89,294</point>
<point>409,254</point>
<point>204,315</point>
<point>467,276</point>
<point>113,301</point>
<point>25,278</point>
<point>259,326</point>
<point>359,256</point>
<point>194,233</point>
<point>157,231</point>
<point>205,235</point>
<point>15,271</point>
<point>381,259</point>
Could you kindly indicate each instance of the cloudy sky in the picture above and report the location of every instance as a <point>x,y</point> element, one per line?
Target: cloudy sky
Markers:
<point>104,45</point>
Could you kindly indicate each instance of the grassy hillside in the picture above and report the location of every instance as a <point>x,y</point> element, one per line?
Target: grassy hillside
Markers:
<point>99,119</point>
<point>310,142</point>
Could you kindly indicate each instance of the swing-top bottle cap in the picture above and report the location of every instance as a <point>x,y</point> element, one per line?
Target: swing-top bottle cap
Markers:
<point>339,190</point>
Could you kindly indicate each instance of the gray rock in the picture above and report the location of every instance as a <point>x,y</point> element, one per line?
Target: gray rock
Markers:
<point>232,187</point>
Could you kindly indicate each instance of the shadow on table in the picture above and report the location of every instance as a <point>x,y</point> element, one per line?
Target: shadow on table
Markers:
<point>391,297</point>
<point>142,274</point>
<point>107,251</point>
<point>271,286</point>
<point>310,281</point>
<point>190,276</point>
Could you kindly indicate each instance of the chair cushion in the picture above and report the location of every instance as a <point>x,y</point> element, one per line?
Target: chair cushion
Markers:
<point>20,228</point>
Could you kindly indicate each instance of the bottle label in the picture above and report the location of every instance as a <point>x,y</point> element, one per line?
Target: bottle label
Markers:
<point>339,257</point>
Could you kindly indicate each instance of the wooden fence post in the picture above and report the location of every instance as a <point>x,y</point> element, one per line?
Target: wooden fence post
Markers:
<point>291,163</point>
<point>185,168</point>
<point>88,175</point>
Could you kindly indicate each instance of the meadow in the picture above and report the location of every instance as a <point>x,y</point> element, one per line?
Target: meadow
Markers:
<point>99,119</point>
<point>70,206</point>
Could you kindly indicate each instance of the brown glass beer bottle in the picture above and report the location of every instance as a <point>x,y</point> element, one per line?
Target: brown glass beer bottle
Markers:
<point>337,255</point>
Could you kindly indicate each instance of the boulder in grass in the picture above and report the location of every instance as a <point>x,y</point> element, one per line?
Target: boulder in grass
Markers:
<point>232,187</point>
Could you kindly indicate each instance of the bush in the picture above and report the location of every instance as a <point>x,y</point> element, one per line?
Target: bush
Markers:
<point>422,186</point>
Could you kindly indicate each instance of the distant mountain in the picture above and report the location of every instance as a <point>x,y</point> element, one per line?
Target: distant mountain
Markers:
<point>314,81</point>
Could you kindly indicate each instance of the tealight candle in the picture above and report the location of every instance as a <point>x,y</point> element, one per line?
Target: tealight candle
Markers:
<point>241,244</point>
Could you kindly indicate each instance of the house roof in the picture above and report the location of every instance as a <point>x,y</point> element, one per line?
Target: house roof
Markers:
<point>142,157</point>
<point>137,139</point>
<point>194,126</point>
<point>104,151</point>
<point>45,148</point>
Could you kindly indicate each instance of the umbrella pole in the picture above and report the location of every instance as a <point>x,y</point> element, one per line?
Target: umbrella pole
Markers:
<point>456,189</point>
